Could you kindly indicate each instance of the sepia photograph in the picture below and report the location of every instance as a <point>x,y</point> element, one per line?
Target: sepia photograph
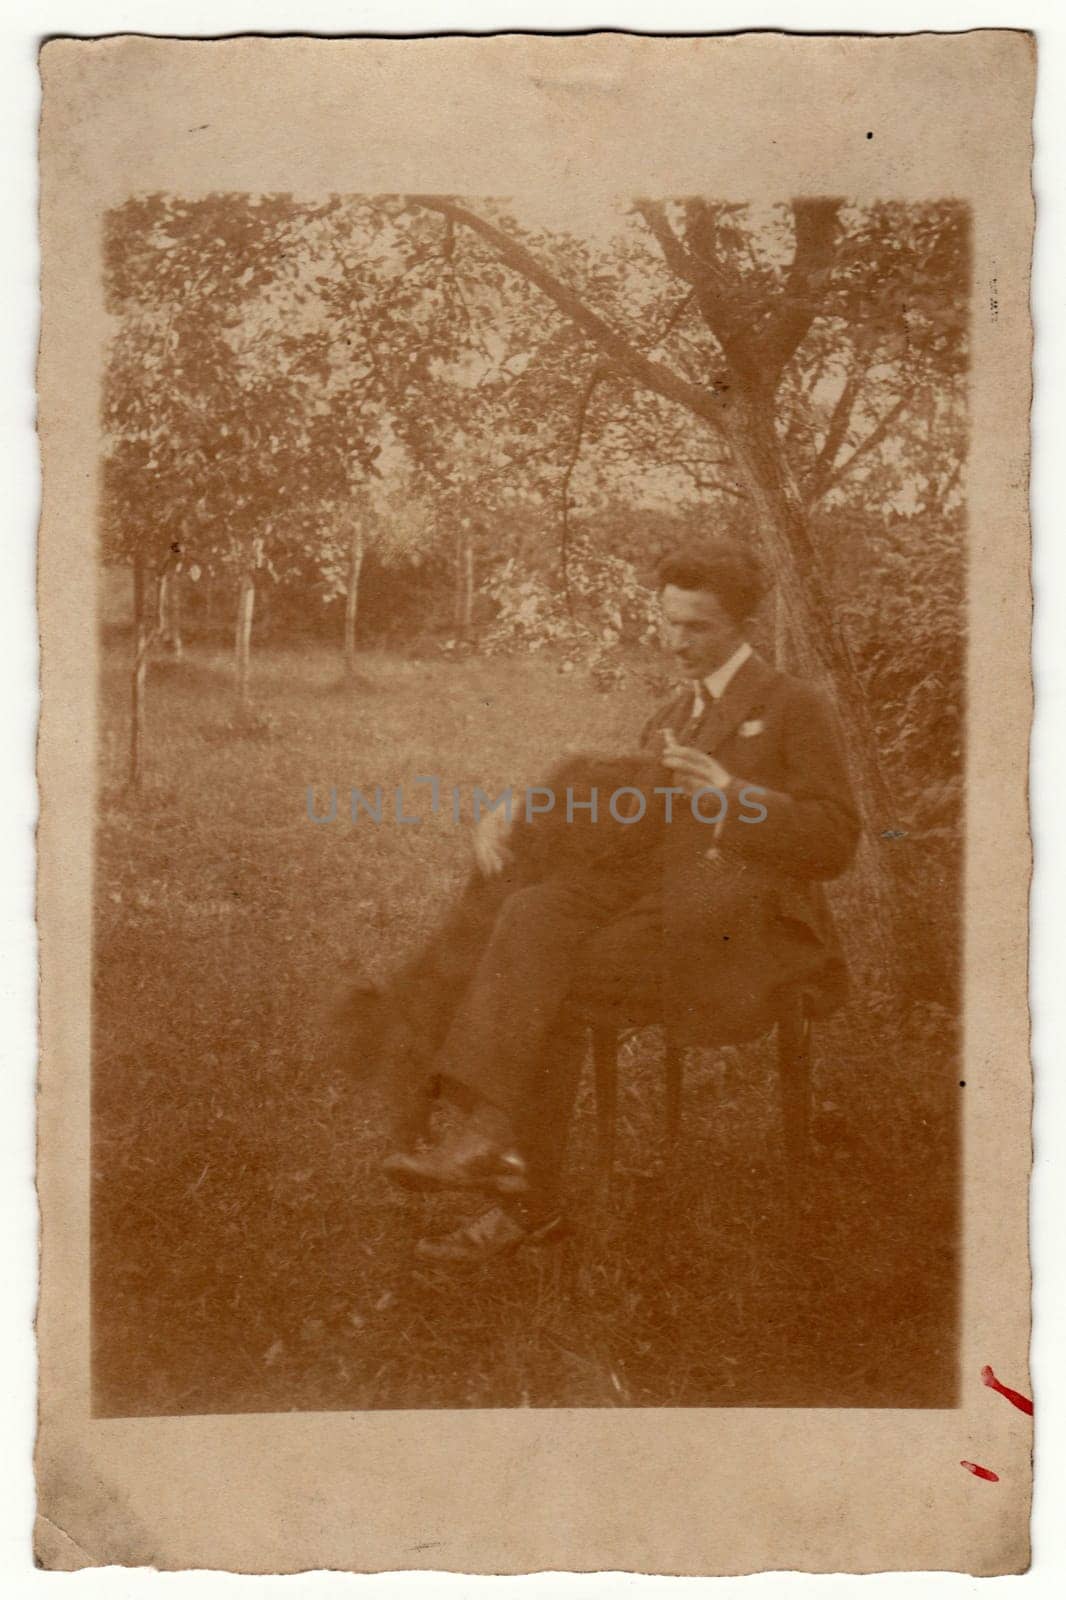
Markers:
<point>527,887</point>
<point>533,854</point>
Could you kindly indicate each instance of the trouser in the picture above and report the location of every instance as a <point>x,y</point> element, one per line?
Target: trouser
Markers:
<point>592,939</point>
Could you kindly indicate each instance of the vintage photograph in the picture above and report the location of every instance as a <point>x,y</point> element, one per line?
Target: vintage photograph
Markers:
<point>529,819</point>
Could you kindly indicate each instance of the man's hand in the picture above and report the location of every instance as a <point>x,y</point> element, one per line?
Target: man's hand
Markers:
<point>693,769</point>
<point>490,843</point>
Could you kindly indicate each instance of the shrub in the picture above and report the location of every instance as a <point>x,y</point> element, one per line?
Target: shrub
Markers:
<point>606,610</point>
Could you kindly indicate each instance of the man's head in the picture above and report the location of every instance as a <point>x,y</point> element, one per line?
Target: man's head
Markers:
<point>708,594</point>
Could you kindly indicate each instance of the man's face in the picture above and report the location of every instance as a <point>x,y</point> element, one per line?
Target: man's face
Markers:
<point>697,630</point>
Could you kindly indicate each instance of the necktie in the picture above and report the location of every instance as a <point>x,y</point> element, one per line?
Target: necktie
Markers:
<point>695,715</point>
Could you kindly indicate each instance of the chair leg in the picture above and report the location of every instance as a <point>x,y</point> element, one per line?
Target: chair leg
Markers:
<point>675,1071</point>
<point>605,1069</point>
<point>794,1074</point>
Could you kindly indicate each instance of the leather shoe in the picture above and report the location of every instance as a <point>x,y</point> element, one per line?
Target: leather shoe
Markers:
<point>467,1161</point>
<point>494,1233</point>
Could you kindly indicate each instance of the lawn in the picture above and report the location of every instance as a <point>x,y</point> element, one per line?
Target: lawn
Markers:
<point>247,1254</point>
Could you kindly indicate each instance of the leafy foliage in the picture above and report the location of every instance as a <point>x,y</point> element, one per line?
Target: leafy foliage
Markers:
<point>504,409</point>
<point>607,605</point>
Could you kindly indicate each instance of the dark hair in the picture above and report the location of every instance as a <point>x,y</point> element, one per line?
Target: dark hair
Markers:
<point>721,567</point>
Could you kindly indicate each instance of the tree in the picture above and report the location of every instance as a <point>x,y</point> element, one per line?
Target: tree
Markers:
<point>292,386</point>
<point>176,274</point>
<point>230,397</point>
<point>880,291</point>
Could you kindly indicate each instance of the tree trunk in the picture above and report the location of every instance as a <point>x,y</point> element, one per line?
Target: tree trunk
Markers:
<point>740,408</point>
<point>798,572</point>
<point>351,603</point>
<point>782,652</point>
<point>142,638</point>
<point>464,583</point>
<point>140,670</point>
<point>169,622</point>
<point>243,642</point>
<point>457,602</point>
<point>468,586</point>
<point>819,650</point>
<point>139,587</point>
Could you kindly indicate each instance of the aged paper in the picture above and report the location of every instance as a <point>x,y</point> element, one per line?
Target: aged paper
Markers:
<point>376,379</point>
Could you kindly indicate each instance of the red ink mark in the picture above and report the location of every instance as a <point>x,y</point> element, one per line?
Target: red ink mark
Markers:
<point>980,1472</point>
<point>990,1381</point>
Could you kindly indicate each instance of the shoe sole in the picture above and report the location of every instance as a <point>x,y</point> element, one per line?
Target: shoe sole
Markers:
<point>488,1183</point>
<point>552,1232</point>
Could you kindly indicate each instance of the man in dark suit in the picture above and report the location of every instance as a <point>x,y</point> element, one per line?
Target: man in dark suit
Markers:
<point>701,913</point>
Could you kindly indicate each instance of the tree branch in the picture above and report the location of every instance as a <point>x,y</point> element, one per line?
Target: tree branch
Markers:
<point>816,229</point>
<point>692,468</point>
<point>870,442</point>
<point>708,285</point>
<point>835,433</point>
<point>950,482</point>
<point>673,319</point>
<point>757,357</point>
<point>705,403</point>
<point>675,254</point>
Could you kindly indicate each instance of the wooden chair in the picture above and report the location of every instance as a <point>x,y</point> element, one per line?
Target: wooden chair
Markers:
<point>793,1035</point>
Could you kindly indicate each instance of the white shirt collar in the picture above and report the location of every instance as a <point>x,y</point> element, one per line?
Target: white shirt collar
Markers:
<point>715,684</point>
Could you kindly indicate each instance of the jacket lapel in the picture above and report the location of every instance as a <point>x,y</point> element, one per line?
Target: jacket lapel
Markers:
<point>674,714</point>
<point>723,717</point>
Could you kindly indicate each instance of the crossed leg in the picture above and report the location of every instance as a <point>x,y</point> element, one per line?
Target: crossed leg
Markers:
<point>558,951</point>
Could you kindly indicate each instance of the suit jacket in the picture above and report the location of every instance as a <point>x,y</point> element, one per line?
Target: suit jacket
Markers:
<point>744,911</point>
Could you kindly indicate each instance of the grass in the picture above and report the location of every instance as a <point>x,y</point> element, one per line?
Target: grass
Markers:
<point>247,1254</point>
